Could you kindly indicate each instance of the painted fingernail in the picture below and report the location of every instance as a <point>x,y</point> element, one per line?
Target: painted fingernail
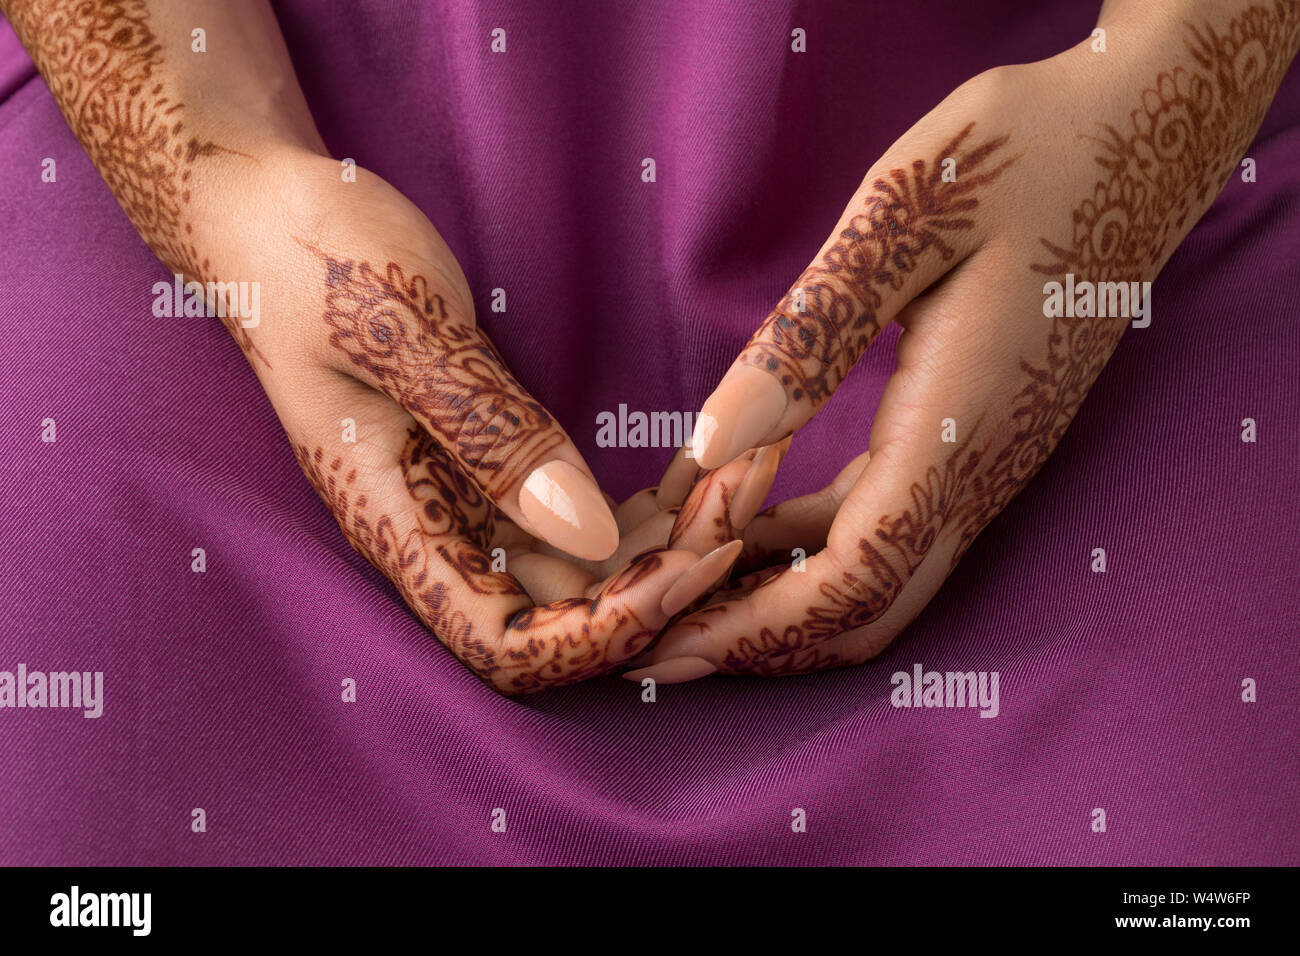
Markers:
<point>676,482</point>
<point>753,488</point>
<point>567,509</point>
<point>675,671</point>
<point>699,577</point>
<point>747,404</point>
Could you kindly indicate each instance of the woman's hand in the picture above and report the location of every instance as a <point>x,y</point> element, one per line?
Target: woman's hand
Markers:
<point>360,325</point>
<point>382,302</point>
<point>428,452</point>
<point>1012,233</point>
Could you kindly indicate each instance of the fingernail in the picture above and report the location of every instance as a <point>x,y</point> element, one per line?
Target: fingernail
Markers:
<point>699,577</point>
<point>675,671</point>
<point>756,484</point>
<point>676,482</point>
<point>567,509</point>
<point>747,404</point>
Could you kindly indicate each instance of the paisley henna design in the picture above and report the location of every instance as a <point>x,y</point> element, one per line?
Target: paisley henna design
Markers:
<point>905,217</point>
<point>1160,176</point>
<point>439,366</point>
<point>103,64</point>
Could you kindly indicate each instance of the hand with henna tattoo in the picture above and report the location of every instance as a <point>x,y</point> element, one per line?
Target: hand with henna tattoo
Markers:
<point>383,335</point>
<point>439,466</point>
<point>217,162</point>
<point>1012,234</point>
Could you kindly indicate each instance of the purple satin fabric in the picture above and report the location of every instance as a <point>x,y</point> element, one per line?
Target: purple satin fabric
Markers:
<point>222,690</point>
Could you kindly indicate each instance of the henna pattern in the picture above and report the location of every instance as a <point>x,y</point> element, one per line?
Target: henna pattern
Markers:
<point>439,366</point>
<point>562,653</point>
<point>103,63</point>
<point>905,217</point>
<point>448,515</point>
<point>445,536</point>
<point>1160,176</point>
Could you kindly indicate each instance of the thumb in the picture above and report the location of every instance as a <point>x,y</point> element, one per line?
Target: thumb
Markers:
<point>905,228</point>
<point>393,331</point>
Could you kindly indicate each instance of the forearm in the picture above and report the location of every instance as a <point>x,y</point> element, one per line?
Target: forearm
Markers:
<point>176,133</point>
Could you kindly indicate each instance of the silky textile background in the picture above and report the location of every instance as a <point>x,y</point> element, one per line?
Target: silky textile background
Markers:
<point>222,690</point>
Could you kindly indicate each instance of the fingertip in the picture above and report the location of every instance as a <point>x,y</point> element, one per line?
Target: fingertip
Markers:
<point>700,577</point>
<point>742,411</point>
<point>757,483</point>
<point>638,509</point>
<point>683,639</point>
<point>567,509</point>
<point>678,476</point>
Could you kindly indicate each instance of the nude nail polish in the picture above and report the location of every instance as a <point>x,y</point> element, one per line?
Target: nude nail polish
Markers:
<point>747,404</point>
<point>753,488</point>
<point>675,671</point>
<point>566,508</point>
<point>699,577</point>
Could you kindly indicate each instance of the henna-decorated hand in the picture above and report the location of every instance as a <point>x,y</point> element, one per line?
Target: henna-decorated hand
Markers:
<point>429,487</point>
<point>396,315</point>
<point>1089,165</point>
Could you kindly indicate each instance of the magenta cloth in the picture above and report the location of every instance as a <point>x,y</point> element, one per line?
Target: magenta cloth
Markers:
<point>222,690</point>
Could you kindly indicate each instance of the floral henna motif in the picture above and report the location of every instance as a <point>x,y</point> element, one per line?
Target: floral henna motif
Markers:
<point>448,516</point>
<point>1160,176</point>
<point>438,366</point>
<point>447,502</point>
<point>907,215</point>
<point>103,64</point>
